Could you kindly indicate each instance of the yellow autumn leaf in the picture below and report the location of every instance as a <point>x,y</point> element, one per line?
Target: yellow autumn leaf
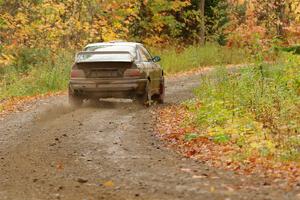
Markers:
<point>109,184</point>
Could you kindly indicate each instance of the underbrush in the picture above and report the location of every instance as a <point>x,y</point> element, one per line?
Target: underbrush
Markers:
<point>255,109</point>
<point>36,71</point>
<point>174,60</point>
<point>39,71</point>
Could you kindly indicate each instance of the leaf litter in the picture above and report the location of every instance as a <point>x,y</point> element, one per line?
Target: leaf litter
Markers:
<point>172,127</point>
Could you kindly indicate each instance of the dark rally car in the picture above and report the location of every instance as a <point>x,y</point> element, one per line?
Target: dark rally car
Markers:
<point>116,70</point>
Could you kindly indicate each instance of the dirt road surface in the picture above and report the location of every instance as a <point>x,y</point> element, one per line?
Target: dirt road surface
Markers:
<point>109,151</point>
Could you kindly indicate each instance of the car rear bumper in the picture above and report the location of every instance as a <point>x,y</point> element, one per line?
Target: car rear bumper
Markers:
<point>107,87</point>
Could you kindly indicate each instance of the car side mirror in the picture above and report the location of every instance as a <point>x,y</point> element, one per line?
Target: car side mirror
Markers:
<point>156,59</point>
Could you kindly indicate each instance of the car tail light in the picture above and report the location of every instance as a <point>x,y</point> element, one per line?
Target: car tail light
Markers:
<point>77,73</point>
<point>132,73</point>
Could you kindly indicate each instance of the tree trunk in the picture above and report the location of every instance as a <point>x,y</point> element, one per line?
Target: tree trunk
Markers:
<point>281,18</point>
<point>202,31</point>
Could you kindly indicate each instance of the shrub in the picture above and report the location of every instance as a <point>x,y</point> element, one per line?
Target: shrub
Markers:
<point>257,107</point>
<point>45,72</point>
<point>192,57</point>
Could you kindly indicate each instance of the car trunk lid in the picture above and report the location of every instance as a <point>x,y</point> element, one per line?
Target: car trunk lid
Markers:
<point>104,69</point>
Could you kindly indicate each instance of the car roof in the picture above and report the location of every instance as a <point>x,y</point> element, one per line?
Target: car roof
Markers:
<point>114,43</point>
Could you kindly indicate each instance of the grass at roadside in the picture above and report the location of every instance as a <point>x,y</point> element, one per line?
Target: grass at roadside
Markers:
<point>174,61</point>
<point>255,111</point>
<point>39,71</point>
<point>247,121</point>
<point>35,72</point>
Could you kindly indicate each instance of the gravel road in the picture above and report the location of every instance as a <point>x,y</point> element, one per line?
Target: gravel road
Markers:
<point>109,151</point>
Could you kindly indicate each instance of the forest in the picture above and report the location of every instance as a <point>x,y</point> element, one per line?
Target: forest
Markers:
<point>67,24</point>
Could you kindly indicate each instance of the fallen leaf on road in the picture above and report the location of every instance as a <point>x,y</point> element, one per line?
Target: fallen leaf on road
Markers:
<point>186,170</point>
<point>230,189</point>
<point>199,177</point>
<point>82,180</point>
<point>109,184</point>
<point>59,166</point>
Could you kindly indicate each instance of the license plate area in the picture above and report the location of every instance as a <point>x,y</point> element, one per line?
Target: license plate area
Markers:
<point>103,73</point>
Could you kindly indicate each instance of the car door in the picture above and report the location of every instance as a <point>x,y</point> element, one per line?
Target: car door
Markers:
<point>155,69</point>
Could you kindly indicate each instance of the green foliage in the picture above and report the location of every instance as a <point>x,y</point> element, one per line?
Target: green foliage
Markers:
<point>221,138</point>
<point>190,136</point>
<point>29,58</point>
<point>213,114</point>
<point>43,75</point>
<point>217,20</point>
<point>256,107</point>
<point>199,56</point>
<point>294,49</point>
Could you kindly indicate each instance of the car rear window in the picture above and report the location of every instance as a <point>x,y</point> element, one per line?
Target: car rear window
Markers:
<point>104,48</point>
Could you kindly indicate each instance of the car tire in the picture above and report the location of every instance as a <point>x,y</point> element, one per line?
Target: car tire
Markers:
<point>161,97</point>
<point>146,98</point>
<point>74,100</point>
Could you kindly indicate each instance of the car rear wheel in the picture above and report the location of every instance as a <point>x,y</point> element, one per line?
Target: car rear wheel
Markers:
<point>146,98</point>
<point>74,100</point>
<point>161,98</point>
